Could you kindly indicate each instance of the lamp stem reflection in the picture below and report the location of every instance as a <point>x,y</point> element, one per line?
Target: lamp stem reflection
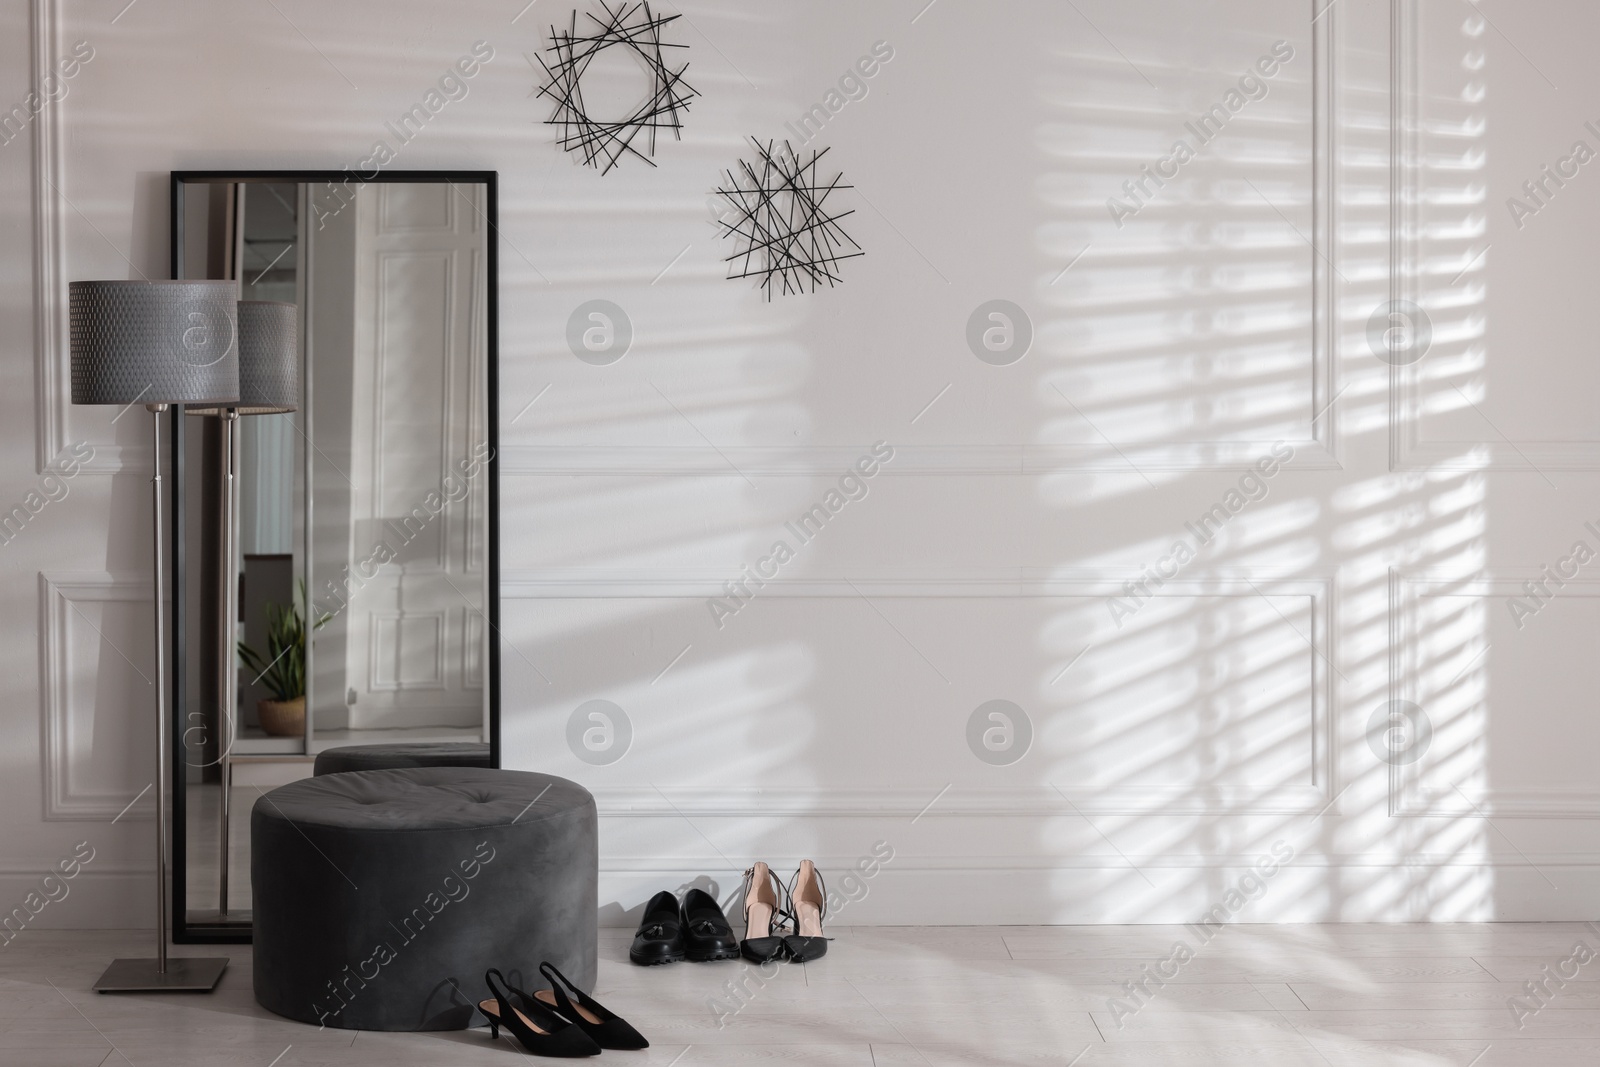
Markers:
<point>227,654</point>
<point>156,411</point>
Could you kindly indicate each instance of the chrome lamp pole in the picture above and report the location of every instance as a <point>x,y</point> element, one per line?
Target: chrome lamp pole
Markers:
<point>156,344</point>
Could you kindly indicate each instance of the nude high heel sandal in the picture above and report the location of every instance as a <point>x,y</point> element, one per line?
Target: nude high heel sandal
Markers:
<point>761,942</point>
<point>808,903</point>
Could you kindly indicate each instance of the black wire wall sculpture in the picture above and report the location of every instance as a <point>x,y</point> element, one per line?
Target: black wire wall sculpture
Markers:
<point>788,235</point>
<point>603,144</point>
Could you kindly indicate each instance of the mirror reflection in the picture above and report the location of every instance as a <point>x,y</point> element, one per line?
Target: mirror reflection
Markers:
<point>345,543</point>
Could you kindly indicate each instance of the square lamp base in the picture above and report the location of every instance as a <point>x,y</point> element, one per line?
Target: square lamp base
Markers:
<point>189,974</point>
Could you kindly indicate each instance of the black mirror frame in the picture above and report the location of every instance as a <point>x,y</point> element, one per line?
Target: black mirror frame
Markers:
<point>183,931</point>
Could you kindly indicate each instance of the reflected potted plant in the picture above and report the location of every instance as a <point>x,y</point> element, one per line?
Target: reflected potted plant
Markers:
<point>282,669</point>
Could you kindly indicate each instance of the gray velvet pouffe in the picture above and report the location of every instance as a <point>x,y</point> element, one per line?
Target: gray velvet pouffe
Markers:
<point>393,757</point>
<point>381,897</point>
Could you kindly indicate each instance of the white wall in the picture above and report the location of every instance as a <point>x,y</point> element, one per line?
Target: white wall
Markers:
<point>1230,713</point>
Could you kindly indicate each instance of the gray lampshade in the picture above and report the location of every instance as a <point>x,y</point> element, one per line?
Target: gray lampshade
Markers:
<point>154,342</point>
<point>269,364</point>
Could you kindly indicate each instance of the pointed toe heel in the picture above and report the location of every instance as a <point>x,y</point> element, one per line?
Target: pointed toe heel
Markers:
<point>762,916</point>
<point>808,904</point>
<point>605,1028</point>
<point>538,1029</point>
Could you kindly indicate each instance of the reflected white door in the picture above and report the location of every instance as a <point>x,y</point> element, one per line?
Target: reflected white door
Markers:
<point>414,657</point>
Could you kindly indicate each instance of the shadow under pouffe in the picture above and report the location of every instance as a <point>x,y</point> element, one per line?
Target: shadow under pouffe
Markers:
<point>381,897</point>
<point>404,754</point>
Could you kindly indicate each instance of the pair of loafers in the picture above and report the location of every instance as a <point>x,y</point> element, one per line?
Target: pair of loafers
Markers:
<point>695,929</point>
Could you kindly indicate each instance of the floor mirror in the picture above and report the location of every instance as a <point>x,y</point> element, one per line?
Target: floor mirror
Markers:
<point>335,567</point>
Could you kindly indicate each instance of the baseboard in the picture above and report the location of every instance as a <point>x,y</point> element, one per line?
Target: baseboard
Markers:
<point>94,900</point>
<point>916,895</point>
<point>1314,892</point>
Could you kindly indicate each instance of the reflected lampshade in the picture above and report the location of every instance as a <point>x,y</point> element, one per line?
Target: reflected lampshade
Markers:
<point>154,342</point>
<point>269,364</point>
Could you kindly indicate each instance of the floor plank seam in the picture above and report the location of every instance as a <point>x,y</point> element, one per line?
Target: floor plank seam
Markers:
<point>1296,993</point>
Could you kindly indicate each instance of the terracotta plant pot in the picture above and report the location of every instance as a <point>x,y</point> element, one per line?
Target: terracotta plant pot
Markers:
<point>283,718</point>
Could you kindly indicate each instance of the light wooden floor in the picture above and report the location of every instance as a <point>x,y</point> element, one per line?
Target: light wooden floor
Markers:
<point>1264,996</point>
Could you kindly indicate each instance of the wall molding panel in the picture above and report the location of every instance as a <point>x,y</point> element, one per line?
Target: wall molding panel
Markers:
<point>1413,791</point>
<point>1309,796</point>
<point>64,797</point>
<point>49,274</point>
<point>52,372</point>
<point>1318,451</point>
<point>1410,270</point>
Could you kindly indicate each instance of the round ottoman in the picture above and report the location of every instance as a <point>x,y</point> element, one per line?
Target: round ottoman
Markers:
<point>381,897</point>
<point>393,757</point>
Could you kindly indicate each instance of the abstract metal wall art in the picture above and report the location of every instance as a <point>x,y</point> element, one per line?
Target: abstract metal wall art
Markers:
<point>603,142</point>
<point>787,233</point>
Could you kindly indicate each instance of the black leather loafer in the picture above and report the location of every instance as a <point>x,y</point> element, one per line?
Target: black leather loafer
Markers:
<point>707,935</point>
<point>660,935</point>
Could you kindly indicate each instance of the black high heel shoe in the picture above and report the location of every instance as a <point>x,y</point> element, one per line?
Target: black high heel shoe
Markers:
<point>540,1030</point>
<point>808,903</point>
<point>762,911</point>
<point>605,1028</point>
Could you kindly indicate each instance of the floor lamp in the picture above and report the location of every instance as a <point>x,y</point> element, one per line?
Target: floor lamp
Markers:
<point>269,384</point>
<point>156,344</point>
